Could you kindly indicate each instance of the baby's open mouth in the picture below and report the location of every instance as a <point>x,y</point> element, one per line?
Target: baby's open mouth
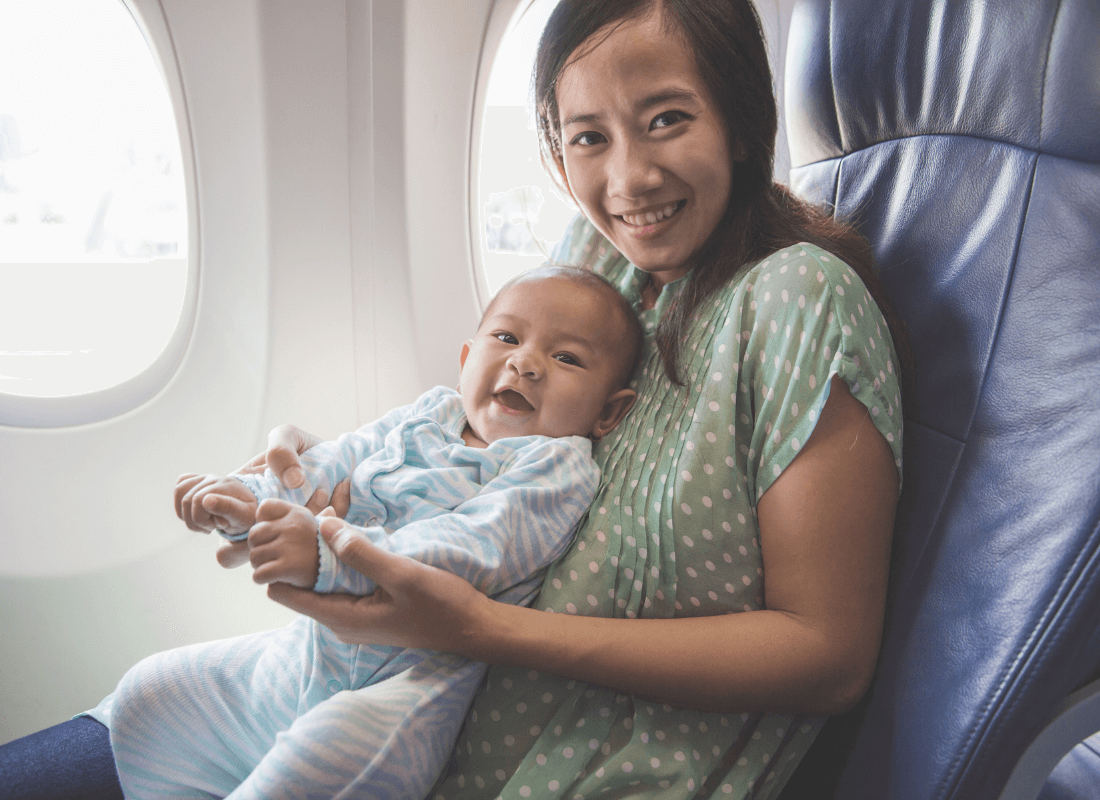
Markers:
<point>653,217</point>
<point>513,400</point>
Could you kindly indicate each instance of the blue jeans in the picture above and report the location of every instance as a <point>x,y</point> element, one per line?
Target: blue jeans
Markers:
<point>70,760</point>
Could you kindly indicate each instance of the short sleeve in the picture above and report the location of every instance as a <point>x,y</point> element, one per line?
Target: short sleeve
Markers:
<point>808,317</point>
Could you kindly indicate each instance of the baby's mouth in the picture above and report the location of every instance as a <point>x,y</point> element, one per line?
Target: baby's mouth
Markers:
<point>509,398</point>
<point>653,217</point>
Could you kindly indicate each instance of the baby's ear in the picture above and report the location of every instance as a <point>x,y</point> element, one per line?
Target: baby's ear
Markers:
<point>465,352</point>
<point>613,412</point>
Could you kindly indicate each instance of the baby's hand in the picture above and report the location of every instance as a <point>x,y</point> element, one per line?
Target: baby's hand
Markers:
<point>283,545</point>
<point>209,502</point>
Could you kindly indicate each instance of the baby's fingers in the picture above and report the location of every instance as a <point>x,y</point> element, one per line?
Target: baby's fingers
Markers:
<point>184,484</point>
<point>231,514</point>
<point>270,565</point>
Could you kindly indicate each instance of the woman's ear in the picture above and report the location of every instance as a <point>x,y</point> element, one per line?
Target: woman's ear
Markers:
<point>612,413</point>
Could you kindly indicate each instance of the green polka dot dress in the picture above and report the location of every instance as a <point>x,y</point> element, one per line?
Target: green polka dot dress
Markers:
<point>672,533</point>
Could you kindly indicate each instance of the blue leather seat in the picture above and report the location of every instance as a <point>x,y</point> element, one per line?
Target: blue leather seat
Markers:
<point>1077,776</point>
<point>964,137</point>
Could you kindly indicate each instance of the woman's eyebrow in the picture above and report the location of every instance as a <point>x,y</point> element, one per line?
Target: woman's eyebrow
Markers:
<point>668,96</point>
<point>580,119</point>
<point>646,103</point>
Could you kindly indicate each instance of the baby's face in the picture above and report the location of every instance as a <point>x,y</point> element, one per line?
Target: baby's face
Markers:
<point>544,361</point>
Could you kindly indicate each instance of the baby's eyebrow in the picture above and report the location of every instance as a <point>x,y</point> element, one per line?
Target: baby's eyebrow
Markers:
<point>505,316</point>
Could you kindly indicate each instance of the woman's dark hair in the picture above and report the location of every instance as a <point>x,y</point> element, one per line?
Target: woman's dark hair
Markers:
<point>762,216</point>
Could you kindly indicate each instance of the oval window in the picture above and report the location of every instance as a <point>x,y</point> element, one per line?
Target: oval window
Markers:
<point>522,213</point>
<point>93,210</point>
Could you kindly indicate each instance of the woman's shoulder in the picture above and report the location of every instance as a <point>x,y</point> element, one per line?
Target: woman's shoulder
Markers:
<point>798,280</point>
<point>803,266</point>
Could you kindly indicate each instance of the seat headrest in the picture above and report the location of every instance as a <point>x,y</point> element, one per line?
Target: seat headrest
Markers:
<point>933,67</point>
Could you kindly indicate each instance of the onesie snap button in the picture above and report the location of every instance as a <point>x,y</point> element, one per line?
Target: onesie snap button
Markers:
<point>334,687</point>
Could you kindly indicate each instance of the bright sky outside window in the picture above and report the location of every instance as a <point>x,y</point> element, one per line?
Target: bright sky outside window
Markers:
<point>522,215</point>
<point>93,212</point>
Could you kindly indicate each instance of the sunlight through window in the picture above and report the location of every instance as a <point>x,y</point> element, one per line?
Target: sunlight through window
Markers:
<point>522,213</point>
<point>93,212</point>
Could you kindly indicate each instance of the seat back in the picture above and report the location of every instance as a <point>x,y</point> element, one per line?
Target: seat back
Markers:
<point>964,139</point>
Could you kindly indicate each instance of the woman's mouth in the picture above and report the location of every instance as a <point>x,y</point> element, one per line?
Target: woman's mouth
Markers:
<point>511,399</point>
<point>653,217</point>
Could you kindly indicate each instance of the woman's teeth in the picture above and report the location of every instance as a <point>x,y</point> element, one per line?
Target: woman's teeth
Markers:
<point>651,217</point>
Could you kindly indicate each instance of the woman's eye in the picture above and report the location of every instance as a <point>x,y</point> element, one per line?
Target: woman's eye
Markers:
<point>587,139</point>
<point>667,119</point>
<point>507,338</point>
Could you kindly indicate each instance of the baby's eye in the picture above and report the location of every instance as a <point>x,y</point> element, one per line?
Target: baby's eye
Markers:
<point>506,337</point>
<point>587,139</point>
<point>566,358</point>
<point>667,119</point>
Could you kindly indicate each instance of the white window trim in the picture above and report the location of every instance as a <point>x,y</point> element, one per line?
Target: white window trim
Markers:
<point>56,412</point>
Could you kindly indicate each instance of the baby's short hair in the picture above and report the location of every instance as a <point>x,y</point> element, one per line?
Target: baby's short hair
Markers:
<point>632,335</point>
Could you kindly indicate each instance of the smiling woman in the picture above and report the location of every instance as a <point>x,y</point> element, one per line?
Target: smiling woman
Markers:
<point>643,149</point>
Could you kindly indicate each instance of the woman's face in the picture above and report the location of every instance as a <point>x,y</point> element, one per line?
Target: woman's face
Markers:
<point>644,149</point>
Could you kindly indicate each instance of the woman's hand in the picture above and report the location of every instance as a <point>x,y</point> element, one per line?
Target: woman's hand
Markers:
<point>284,444</point>
<point>415,605</point>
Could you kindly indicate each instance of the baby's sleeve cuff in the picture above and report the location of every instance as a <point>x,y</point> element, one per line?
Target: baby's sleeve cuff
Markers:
<point>326,567</point>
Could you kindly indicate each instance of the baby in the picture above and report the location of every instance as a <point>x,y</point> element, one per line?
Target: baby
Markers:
<point>488,482</point>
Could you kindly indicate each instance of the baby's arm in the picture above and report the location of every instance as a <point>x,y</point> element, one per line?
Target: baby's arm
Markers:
<point>209,502</point>
<point>327,464</point>
<point>518,524</point>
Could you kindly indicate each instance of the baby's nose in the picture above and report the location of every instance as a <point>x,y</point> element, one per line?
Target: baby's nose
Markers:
<point>525,363</point>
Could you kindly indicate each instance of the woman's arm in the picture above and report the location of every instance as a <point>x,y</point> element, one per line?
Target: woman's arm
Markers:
<point>825,527</point>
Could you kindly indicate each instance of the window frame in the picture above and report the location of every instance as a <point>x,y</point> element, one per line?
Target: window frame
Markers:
<point>23,411</point>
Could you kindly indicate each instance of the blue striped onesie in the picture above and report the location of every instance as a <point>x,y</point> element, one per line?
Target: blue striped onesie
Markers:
<point>296,713</point>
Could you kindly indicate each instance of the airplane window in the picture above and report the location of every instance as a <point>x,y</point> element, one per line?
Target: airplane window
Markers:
<point>522,213</point>
<point>93,211</point>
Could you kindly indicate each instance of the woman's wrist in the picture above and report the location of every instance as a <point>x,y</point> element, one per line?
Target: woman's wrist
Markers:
<point>488,631</point>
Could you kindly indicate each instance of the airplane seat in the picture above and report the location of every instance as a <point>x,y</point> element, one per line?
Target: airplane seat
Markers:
<point>964,139</point>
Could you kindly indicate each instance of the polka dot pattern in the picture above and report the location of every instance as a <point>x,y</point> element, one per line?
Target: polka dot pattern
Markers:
<point>672,533</point>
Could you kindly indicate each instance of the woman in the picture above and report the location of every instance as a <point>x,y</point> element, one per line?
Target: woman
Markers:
<point>726,590</point>
<point>758,472</point>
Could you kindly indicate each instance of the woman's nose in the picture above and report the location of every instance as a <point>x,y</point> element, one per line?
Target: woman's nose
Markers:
<point>632,171</point>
